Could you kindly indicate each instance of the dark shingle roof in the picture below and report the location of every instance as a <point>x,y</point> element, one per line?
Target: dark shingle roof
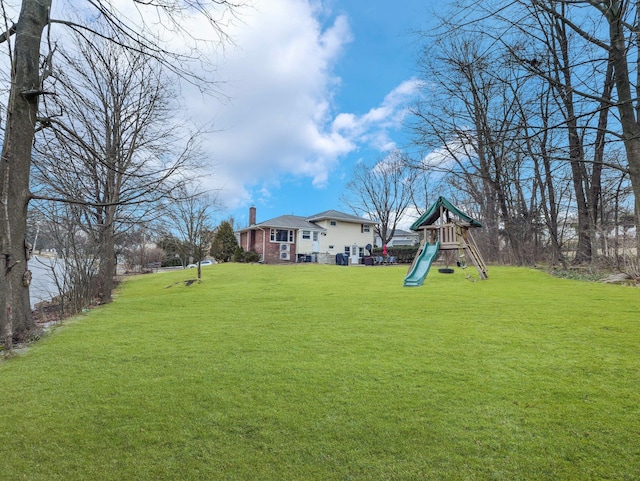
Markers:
<point>307,223</point>
<point>287,222</point>
<point>336,215</point>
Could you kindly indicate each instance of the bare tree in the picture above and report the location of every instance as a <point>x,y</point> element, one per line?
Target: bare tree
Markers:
<point>137,248</point>
<point>22,110</point>
<point>474,129</point>
<point>556,69</point>
<point>603,43</point>
<point>115,147</point>
<point>381,191</point>
<point>190,216</point>
<point>549,51</point>
<point>551,182</point>
<point>73,269</point>
<point>27,76</point>
<point>619,46</point>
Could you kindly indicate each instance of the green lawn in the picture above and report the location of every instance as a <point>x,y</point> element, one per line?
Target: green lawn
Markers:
<point>323,373</point>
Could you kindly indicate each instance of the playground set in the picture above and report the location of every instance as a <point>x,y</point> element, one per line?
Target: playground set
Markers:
<point>445,228</point>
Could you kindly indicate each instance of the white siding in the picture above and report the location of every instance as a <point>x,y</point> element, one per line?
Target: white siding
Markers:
<point>343,234</point>
<point>305,246</point>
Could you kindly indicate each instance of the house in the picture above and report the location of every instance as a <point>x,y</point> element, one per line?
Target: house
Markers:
<point>400,238</point>
<point>318,238</point>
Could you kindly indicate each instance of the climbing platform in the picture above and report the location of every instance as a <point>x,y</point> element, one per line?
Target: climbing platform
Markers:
<point>445,228</point>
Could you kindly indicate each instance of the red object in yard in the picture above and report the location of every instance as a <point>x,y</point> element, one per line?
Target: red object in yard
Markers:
<point>384,250</point>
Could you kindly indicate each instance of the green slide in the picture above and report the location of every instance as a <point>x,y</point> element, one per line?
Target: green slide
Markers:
<point>421,267</point>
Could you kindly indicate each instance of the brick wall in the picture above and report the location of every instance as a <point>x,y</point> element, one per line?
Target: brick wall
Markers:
<point>253,241</point>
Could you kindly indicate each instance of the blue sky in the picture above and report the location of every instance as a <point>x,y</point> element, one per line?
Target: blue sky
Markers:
<point>313,87</point>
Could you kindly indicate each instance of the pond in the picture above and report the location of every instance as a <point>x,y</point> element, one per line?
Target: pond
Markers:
<point>43,286</point>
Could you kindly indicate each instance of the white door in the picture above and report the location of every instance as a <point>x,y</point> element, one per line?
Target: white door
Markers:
<point>355,258</point>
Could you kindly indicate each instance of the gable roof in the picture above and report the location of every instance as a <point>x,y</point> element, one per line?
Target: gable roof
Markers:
<point>400,232</point>
<point>285,222</point>
<point>306,223</point>
<point>433,214</point>
<point>336,215</point>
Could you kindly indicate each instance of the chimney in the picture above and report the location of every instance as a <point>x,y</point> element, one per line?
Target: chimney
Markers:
<point>252,215</point>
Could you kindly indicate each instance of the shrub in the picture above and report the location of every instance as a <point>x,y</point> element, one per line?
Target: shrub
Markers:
<point>403,254</point>
<point>238,254</point>
<point>252,256</point>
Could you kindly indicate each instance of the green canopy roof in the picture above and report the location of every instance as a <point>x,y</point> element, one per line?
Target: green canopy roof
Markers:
<point>433,214</point>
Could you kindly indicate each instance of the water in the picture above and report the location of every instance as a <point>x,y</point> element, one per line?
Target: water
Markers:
<point>43,287</point>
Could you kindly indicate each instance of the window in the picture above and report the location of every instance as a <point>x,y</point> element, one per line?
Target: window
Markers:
<point>315,237</point>
<point>366,228</point>
<point>333,222</point>
<point>306,234</point>
<point>281,235</point>
<point>347,250</point>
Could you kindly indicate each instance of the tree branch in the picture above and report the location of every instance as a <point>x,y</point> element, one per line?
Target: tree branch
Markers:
<point>7,34</point>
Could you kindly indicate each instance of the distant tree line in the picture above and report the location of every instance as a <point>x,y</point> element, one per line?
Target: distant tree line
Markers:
<point>528,121</point>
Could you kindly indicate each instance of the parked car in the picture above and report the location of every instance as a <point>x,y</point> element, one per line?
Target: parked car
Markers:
<point>202,263</point>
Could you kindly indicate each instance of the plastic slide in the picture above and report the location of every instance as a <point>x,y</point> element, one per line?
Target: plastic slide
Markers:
<point>421,267</point>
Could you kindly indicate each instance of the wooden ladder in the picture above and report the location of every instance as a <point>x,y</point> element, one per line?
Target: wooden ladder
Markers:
<point>470,248</point>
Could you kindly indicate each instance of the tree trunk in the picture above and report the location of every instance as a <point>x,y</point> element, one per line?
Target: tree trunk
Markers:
<point>576,158</point>
<point>15,312</point>
<point>595,191</point>
<point>107,256</point>
<point>576,149</point>
<point>633,154</point>
<point>626,105</point>
<point>545,179</point>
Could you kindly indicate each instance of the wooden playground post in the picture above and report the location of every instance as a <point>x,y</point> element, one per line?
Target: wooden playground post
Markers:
<point>452,233</point>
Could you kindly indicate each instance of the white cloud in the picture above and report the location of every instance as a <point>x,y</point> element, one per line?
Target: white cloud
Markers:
<point>446,157</point>
<point>279,120</point>
<point>280,86</point>
<point>276,117</point>
<point>408,218</point>
<point>372,128</point>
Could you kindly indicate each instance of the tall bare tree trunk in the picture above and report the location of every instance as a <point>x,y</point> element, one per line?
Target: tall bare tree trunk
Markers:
<point>595,191</point>
<point>562,59</point>
<point>15,312</point>
<point>628,106</point>
<point>107,255</point>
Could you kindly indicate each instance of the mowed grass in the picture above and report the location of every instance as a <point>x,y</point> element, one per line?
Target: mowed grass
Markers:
<point>312,372</point>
